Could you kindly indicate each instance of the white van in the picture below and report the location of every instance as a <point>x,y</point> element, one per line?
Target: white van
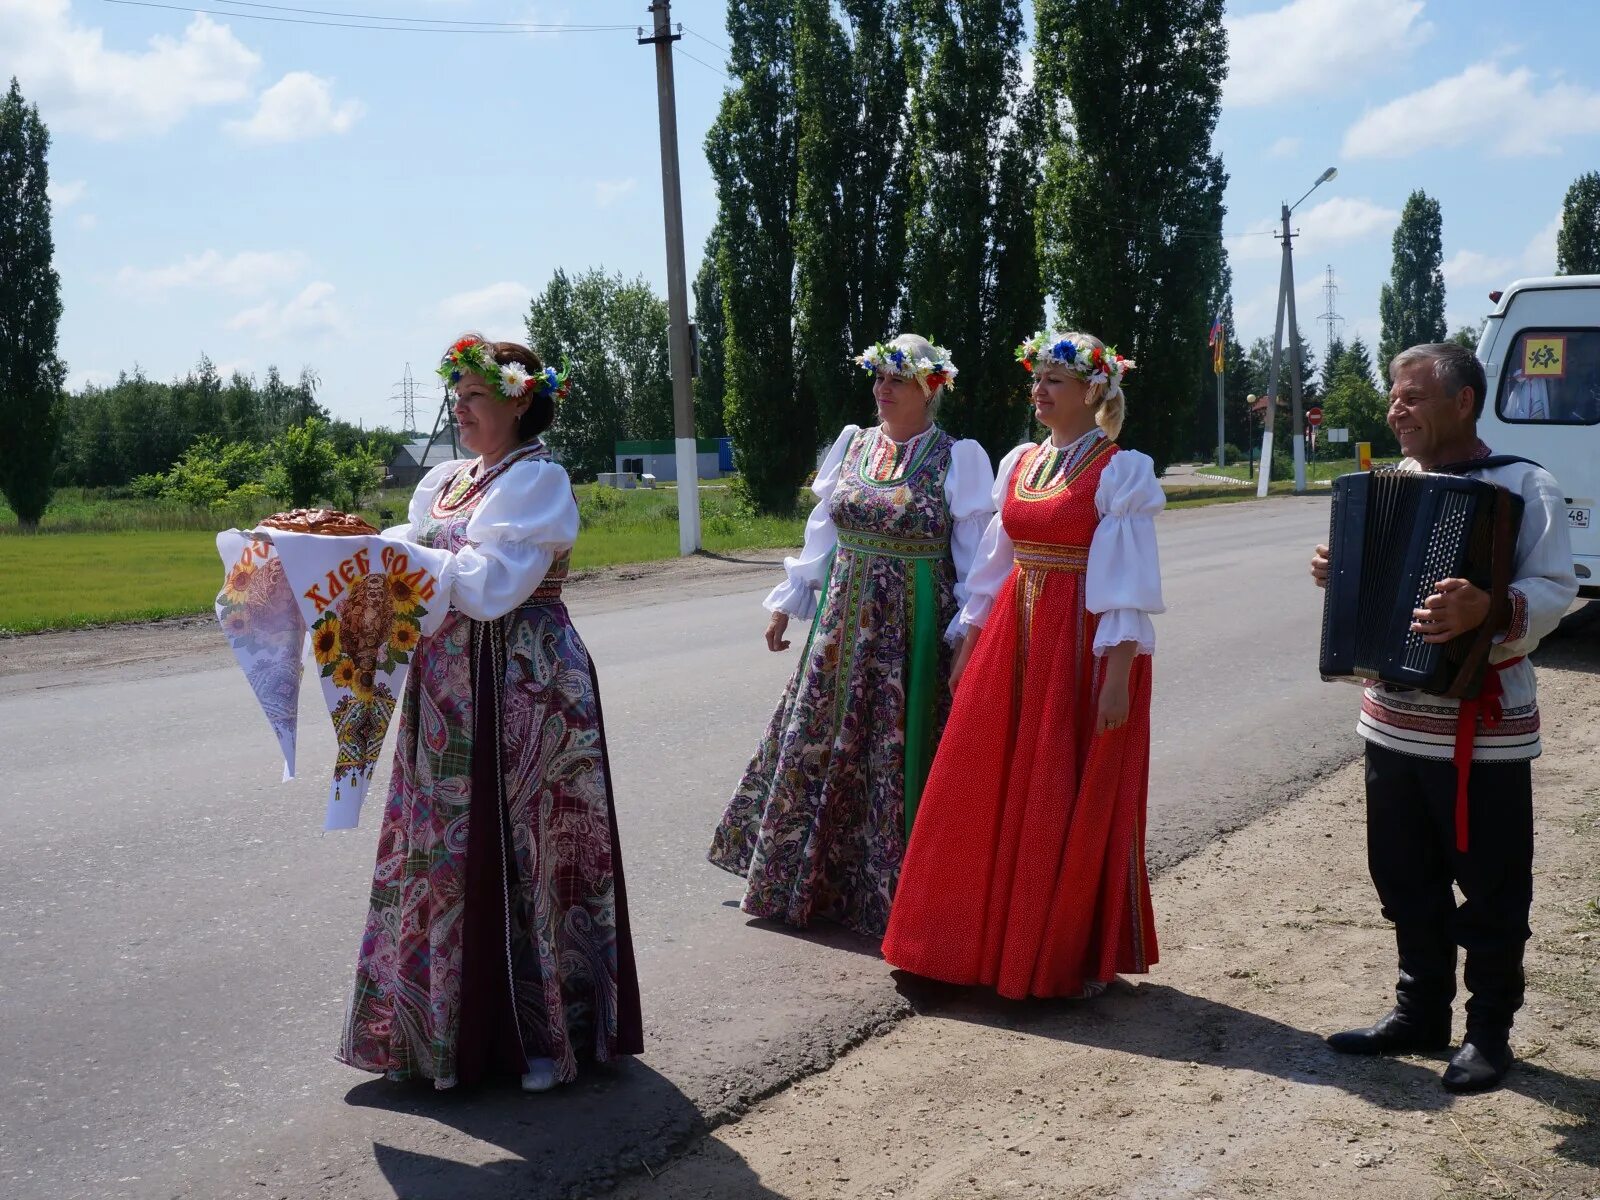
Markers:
<point>1541,350</point>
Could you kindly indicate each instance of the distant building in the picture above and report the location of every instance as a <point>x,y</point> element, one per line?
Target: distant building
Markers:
<point>407,467</point>
<point>660,458</point>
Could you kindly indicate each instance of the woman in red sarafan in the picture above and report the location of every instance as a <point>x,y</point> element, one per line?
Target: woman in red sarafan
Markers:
<point>1025,871</point>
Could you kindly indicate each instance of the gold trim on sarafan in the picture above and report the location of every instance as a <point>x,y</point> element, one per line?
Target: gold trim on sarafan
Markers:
<point>1046,556</point>
<point>885,546</point>
<point>1026,491</point>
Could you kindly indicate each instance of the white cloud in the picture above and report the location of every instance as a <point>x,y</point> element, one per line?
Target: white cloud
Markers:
<point>250,272</point>
<point>88,221</point>
<point>1472,268</point>
<point>1284,147</point>
<point>312,313</point>
<point>608,191</point>
<point>1491,107</point>
<point>81,86</point>
<point>1313,46</point>
<point>499,309</point>
<point>299,106</point>
<point>1338,219</point>
<point>66,193</point>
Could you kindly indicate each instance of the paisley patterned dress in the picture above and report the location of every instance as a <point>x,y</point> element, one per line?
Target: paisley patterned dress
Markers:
<point>1027,871</point>
<point>819,821</point>
<point>498,929</point>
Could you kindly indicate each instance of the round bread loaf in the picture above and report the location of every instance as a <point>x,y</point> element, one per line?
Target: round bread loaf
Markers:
<point>318,520</point>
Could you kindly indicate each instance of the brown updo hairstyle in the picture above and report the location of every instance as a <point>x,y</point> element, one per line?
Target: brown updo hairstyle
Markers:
<point>541,411</point>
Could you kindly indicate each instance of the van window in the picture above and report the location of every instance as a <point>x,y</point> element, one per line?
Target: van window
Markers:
<point>1552,377</point>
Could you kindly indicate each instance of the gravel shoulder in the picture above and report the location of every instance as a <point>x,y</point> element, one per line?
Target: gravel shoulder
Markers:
<point>1210,1078</point>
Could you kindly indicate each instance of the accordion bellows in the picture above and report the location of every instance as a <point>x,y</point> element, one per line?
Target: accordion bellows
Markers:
<point>1394,535</point>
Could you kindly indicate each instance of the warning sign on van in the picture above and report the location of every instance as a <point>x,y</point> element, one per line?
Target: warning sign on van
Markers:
<point>1544,357</point>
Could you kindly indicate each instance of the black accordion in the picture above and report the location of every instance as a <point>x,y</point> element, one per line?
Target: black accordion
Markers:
<point>1394,535</point>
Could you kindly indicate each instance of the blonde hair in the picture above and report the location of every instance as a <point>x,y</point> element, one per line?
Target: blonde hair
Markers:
<point>917,347</point>
<point>1110,404</point>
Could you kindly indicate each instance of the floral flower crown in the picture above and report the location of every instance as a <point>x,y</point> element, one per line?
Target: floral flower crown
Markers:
<point>1078,355</point>
<point>929,373</point>
<point>472,355</point>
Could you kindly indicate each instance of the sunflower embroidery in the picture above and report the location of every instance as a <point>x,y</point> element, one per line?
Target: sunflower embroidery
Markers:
<point>325,640</point>
<point>403,595</point>
<point>365,682</point>
<point>344,675</point>
<point>238,585</point>
<point>404,637</point>
<point>236,623</point>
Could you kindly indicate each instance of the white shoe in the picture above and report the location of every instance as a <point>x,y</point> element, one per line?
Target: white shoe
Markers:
<point>541,1076</point>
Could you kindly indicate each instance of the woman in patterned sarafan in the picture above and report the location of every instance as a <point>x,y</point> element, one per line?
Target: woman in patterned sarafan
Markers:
<point>819,822</point>
<point>497,942</point>
<point>1027,872</point>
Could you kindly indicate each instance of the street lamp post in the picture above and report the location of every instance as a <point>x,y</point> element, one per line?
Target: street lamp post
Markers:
<point>1286,309</point>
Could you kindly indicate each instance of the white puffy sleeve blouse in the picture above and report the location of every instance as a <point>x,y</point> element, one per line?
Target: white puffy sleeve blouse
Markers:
<point>527,517</point>
<point>968,486</point>
<point>1122,584</point>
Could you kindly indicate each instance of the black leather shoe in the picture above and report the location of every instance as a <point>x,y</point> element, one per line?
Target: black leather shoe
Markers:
<point>1478,1066</point>
<point>1396,1033</point>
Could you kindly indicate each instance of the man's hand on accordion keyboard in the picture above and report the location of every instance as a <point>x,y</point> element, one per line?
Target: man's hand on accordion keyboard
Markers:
<point>1454,608</point>
<point>1319,567</point>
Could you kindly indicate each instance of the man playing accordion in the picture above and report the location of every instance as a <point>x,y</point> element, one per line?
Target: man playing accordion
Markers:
<point>1418,840</point>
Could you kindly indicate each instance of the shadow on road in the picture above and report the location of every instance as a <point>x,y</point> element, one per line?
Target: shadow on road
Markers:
<point>820,933</point>
<point>616,1122</point>
<point>1163,1022</point>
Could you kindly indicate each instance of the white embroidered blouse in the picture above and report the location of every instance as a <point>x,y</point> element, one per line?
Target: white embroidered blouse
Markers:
<point>1122,584</point>
<point>968,485</point>
<point>523,521</point>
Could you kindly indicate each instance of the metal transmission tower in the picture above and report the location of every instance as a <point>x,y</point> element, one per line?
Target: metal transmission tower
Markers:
<point>1330,318</point>
<point>408,402</point>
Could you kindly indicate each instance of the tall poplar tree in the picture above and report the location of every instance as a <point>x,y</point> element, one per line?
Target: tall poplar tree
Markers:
<point>974,284</point>
<point>1131,209</point>
<point>851,196</point>
<point>30,311</point>
<point>751,149</point>
<point>710,386</point>
<point>1411,305</point>
<point>1578,242</point>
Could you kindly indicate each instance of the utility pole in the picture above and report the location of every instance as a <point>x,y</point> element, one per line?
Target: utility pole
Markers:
<point>1286,309</point>
<point>677,282</point>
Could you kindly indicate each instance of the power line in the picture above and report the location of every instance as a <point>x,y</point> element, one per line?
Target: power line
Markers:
<point>715,46</point>
<point>702,62</point>
<point>525,26</point>
<point>247,16</point>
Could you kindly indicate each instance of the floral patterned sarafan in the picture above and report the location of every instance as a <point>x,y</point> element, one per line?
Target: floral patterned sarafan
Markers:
<point>561,904</point>
<point>817,825</point>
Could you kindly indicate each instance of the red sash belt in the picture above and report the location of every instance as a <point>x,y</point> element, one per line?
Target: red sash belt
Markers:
<point>1485,704</point>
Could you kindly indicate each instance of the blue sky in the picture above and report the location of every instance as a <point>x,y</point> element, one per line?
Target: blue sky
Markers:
<point>350,199</point>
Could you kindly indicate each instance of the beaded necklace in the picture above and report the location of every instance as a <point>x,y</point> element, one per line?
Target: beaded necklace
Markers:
<point>1055,462</point>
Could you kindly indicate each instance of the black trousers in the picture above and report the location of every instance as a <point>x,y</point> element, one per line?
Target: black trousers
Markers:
<point>1411,852</point>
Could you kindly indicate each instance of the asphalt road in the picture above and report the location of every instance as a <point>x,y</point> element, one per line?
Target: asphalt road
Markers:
<point>179,938</point>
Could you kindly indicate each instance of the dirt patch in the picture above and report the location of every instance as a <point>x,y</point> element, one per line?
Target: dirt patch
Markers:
<point>598,590</point>
<point>1211,1078</point>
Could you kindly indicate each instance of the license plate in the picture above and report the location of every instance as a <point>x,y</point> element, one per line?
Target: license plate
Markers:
<point>1578,518</point>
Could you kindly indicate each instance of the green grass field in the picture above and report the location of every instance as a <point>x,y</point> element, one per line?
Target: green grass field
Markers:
<point>139,570</point>
<point>99,561</point>
<point>1321,469</point>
